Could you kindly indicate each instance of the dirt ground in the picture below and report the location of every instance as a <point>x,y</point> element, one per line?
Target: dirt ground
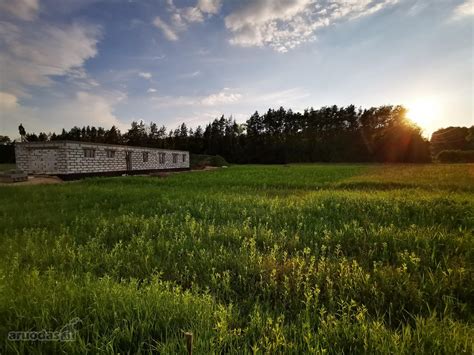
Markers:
<point>35,180</point>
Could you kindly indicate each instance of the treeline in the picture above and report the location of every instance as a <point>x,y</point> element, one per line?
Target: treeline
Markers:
<point>452,138</point>
<point>328,134</point>
<point>453,145</point>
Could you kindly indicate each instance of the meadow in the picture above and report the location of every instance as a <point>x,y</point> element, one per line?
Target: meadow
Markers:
<point>250,259</point>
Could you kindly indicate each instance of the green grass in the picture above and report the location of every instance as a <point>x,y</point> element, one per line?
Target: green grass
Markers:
<point>265,259</point>
<point>4,167</point>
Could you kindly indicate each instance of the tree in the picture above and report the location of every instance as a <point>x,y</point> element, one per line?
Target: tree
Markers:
<point>137,134</point>
<point>5,140</point>
<point>327,134</point>
<point>452,138</point>
<point>113,136</point>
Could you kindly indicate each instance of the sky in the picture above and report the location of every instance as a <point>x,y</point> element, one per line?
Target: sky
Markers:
<point>111,62</point>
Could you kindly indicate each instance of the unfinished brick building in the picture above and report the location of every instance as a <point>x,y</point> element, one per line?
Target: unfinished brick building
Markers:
<point>70,158</point>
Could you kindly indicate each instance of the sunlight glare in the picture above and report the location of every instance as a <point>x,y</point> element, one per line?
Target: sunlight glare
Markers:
<point>423,112</point>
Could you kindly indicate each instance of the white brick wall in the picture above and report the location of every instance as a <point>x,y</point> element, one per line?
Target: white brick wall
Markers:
<point>67,157</point>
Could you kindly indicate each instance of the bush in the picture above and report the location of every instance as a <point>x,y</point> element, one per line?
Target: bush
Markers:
<point>217,160</point>
<point>456,156</point>
<point>199,161</point>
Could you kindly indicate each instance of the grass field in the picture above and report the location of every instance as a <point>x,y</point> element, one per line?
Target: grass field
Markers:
<point>251,259</point>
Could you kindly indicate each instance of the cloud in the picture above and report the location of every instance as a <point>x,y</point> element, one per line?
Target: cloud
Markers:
<point>174,101</point>
<point>190,14</point>
<point>145,75</point>
<point>34,52</point>
<point>202,110</point>
<point>464,10</point>
<point>262,11</point>
<point>209,6</point>
<point>223,97</point>
<point>191,75</point>
<point>151,90</point>
<point>31,55</point>
<point>80,78</point>
<point>96,110</point>
<point>182,17</point>
<point>286,97</point>
<point>168,32</point>
<point>7,101</point>
<point>82,109</point>
<point>286,24</point>
<point>240,103</point>
<point>26,10</point>
<point>194,119</point>
<point>252,98</point>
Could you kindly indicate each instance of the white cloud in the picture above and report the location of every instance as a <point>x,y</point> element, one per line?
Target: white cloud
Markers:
<point>285,24</point>
<point>263,11</point>
<point>7,101</point>
<point>209,6</point>
<point>168,32</point>
<point>191,75</point>
<point>287,97</point>
<point>80,78</point>
<point>174,101</point>
<point>151,90</point>
<point>145,75</point>
<point>26,10</point>
<point>223,97</point>
<point>31,55</point>
<point>194,119</point>
<point>80,110</point>
<point>33,52</point>
<point>182,17</point>
<point>191,14</point>
<point>96,110</point>
<point>464,10</point>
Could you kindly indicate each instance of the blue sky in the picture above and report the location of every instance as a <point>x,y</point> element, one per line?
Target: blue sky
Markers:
<point>109,62</point>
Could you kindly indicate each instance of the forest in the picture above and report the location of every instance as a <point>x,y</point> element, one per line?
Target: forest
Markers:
<point>328,134</point>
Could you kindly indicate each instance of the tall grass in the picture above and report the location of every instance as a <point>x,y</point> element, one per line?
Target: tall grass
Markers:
<point>251,259</point>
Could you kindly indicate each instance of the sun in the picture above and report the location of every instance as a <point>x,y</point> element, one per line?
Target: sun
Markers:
<point>423,112</point>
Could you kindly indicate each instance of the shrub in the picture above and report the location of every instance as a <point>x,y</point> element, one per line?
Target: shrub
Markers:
<point>199,161</point>
<point>456,156</point>
<point>217,160</point>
